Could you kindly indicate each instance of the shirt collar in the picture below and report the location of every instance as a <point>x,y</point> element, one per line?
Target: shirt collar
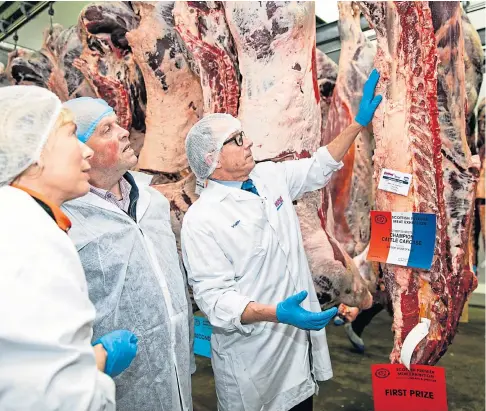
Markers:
<point>125,189</point>
<point>219,191</point>
<point>56,213</point>
<point>234,184</point>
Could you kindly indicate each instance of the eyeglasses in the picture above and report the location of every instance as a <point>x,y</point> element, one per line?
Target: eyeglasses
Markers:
<point>238,139</point>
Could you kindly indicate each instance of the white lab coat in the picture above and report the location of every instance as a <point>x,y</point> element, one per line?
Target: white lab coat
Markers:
<point>135,282</point>
<point>237,248</point>
<point>46,358</point>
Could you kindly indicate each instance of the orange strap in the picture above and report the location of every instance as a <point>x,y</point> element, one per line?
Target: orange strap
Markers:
<point>61,219</point>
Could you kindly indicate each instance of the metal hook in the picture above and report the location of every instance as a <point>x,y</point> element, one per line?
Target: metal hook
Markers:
<point>23,9</point>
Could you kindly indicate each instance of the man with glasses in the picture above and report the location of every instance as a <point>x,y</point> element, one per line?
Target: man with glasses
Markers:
<point>246,263</point>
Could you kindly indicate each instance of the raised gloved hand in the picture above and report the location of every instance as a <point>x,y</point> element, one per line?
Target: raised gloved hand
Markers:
<point>121,348</point>
<point>369,102</point>
<point>290,312</point>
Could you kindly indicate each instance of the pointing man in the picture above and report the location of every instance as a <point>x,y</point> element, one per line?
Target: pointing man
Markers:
<point>244,253</point>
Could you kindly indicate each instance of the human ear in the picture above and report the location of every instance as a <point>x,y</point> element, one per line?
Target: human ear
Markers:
<point>208,158</point>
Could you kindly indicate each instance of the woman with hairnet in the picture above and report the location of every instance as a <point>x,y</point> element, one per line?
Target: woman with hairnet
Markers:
<point>47,361</point>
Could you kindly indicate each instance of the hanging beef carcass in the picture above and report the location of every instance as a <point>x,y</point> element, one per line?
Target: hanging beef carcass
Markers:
<point>420,129</point>
<point>174,104</point>
<point>460,169</point>
<point>279,110</point>
<point>474,64</point>
<point>327,72</point>
<point>28,67</point>
<point>52,66</point>
<point>351,187</point>
<point>62,47</point>
<point>170,85</point>
<point>108,65</point>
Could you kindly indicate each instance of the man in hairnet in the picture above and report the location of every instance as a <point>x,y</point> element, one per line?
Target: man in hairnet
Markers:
<point>245,259</point>
<point>122,232</point>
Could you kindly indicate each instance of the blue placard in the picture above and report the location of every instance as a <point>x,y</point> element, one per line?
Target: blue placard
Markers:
<point>202,336</point>
<point>424,228</point>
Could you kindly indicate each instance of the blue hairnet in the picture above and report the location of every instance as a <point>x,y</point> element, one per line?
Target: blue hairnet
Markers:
<point>88,112</point>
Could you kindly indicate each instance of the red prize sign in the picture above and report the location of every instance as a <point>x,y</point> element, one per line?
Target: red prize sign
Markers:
<point>423,388</point>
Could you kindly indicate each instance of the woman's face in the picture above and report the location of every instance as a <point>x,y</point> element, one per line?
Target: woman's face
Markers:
<point>65,164</point>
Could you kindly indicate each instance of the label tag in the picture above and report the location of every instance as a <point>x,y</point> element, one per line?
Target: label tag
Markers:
<point>416,334</point>
<point>200,186</point>
<point>395,388</point>
<point>202,336</point>
<point>403,238</point>
<point>395,181</point>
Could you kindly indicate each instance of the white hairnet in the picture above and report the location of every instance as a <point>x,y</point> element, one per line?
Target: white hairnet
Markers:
<point>208,136</point>
<point>88,112</point>
<point>27,116</point>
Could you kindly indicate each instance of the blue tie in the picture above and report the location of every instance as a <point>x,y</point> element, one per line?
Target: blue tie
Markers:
<point>249,186</point>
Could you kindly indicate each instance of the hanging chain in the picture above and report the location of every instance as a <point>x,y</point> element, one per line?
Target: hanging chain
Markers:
<point>51,17</point>
<point>16,39</point>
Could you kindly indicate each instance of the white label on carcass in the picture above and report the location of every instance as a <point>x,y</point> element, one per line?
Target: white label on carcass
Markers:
<point>200,186</point>
<point>395,181</point>
<point>417,334</point>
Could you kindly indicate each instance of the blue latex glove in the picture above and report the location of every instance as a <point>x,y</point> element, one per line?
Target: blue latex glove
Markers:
<point>121,348</point>
<point>290,312</point>
<point>369,102</point>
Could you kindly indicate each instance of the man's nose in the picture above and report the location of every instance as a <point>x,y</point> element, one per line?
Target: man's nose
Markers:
<point>123,133</point>
<point>248,142</point>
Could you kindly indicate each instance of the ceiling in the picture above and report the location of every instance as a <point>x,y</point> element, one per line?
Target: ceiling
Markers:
<point>14,14</point>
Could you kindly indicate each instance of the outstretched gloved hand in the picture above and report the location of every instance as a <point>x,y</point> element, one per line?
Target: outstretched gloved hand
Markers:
<point>290,312</point>
<point>369,102</point>
<point>121,348</point>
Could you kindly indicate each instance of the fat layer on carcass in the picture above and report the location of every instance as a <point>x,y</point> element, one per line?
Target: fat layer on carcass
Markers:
<point>276,58</point>
<point>419,128</point>
<point>327,72</point>
<point>203,29</point>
